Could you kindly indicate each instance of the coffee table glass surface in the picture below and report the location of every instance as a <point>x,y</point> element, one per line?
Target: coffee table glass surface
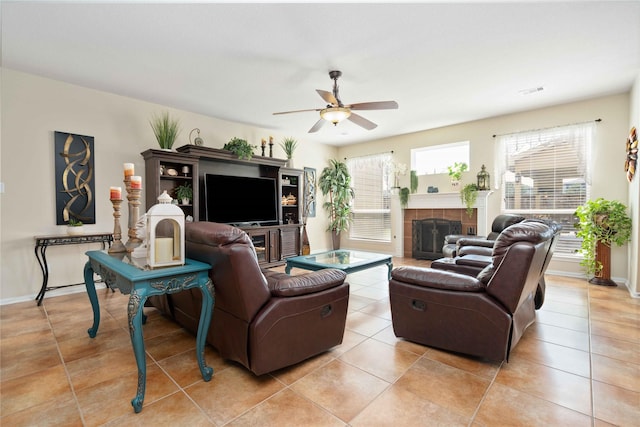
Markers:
<point>349,261</point>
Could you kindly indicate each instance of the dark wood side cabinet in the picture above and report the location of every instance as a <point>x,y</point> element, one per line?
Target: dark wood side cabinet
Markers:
<point>167,170</point>
<point>273,243</point>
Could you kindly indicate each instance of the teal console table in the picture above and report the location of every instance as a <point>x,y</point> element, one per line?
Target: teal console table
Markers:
<point>140,283</point>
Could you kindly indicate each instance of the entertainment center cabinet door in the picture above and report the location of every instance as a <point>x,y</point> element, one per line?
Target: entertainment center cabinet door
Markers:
<point>274,246</point>
<point>290,241</point>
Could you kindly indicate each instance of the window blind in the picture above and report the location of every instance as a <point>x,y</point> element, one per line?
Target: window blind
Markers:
<point>546,174</point>
<point>371,205</point>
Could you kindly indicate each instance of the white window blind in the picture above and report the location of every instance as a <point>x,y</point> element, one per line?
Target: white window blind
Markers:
<point>371,204</point>
<point>546,174</point>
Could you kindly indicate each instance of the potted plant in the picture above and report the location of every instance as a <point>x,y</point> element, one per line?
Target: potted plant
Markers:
<point>240,147</point>
<point>455,172</point>
<point>184,193</point>
<point>414,181</point>
<point>165,129</point>
<point>289,145</point>
<point>335,181</point>
<point>600,223</point>
<point>74,227</point>
<point>404,196</point>
<point>469,195</point>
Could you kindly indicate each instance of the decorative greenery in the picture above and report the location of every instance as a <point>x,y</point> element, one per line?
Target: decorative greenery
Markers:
<point>469,195</point>
<point>335,181</point>
<point>414,181</point>
<point>289,145</point>
<point>74,222</point>
<point>240,147</point>
<point>455,171</point>
<point>404,196</point>
<point>601,220</point>
<point>165,129</point>
<point>184,191</point>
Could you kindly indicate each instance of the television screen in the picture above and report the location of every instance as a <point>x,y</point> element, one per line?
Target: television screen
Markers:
<point>240,200</point>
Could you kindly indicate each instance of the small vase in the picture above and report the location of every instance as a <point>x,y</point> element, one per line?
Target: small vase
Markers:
<point>74,230</point>
<point>289,163</point>
<point>306,248</point>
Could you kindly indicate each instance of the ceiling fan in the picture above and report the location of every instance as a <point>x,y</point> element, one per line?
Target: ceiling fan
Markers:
<point>336,111</point>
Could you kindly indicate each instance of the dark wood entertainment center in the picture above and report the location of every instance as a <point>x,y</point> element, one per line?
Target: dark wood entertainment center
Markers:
<point>273,243</point>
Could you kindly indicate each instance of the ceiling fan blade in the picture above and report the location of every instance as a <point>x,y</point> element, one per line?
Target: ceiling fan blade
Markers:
<point>362,122</point>
<point>328,97</point>
<point>380,105</point>
<point>317,126</point>
<point>297,111</point>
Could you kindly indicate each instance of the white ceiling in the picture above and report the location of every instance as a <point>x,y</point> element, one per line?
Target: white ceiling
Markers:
<point>444,63</point>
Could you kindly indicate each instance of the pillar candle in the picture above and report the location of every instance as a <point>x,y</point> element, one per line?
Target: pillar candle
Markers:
<point>164,249</point>
<point>136,182</point>
<point>128,170</point>
<point>115,193</point>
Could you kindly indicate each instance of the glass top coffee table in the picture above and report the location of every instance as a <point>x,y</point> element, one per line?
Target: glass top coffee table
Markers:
<point>342,259</point>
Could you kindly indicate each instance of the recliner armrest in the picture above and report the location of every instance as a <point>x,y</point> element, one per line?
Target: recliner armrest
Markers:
<point>437,279</point>
<point>475,241</point>
<point>283,285</point>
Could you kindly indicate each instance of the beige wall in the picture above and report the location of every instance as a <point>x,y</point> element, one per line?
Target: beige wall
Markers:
<point>32,109</point>
<point>608,156</point>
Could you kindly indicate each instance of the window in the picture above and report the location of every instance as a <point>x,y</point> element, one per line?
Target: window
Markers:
<point>435,159</point>
<point>545,174</point>
<point>371,205</point>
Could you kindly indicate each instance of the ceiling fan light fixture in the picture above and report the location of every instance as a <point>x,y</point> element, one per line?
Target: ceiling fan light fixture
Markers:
<point>335,114</point>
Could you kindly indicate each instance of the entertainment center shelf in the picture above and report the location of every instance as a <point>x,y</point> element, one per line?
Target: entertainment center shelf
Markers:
<point>273,243</point>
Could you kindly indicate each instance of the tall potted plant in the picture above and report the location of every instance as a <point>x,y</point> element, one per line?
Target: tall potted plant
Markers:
<point>601,223</point>
<point>335,181</point>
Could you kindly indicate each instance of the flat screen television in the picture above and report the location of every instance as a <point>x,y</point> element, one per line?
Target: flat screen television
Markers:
<point>240,200</point>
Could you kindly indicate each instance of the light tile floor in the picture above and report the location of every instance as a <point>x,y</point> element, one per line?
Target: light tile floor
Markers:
<point>577,365</point>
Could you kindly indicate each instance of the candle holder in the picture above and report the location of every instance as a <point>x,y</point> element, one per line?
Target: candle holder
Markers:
<point>133,196</point>
<point>117,246</point>
<point>270,146</point>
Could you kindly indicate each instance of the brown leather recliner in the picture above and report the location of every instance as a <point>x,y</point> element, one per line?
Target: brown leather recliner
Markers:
<point>262,319</point>
<point>481,245</point>
<point>471,260</point>
<point>482,316</point>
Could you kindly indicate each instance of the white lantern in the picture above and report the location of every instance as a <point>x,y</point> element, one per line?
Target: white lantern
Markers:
<point>165,234</point>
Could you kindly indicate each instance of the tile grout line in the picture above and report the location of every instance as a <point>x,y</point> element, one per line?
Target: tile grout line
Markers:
<point>64,366</point>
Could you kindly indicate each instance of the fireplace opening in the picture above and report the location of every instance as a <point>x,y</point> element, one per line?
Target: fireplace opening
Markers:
<point>428,236</point>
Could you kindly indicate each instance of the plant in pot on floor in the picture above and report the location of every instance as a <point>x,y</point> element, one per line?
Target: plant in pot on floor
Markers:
<point>165,129</point>
<point>601,223</point>
<point>335,181</point>
<point>184,193</point>
<point>240,147</point>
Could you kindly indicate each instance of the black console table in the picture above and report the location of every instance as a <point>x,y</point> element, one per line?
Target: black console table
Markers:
<point>43,242</point>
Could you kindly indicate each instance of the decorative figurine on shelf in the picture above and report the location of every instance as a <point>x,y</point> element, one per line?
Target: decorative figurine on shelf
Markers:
<point>270,146</point>
<point>263,145</point>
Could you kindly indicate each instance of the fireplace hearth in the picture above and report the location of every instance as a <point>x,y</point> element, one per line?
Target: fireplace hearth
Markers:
<point>428,236</point>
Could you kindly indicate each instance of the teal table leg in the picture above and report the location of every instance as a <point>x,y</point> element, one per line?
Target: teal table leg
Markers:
<point>203,328</point>
<point>287,269</point>
<point>93,297</point>
<point>134,310</point>
<point>390,267</point>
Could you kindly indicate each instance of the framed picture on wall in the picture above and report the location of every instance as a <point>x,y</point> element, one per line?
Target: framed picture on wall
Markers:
<point>74,178</point>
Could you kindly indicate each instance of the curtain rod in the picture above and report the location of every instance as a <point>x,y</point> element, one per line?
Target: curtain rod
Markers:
<point>375,154</point>
<point>551,127</point>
